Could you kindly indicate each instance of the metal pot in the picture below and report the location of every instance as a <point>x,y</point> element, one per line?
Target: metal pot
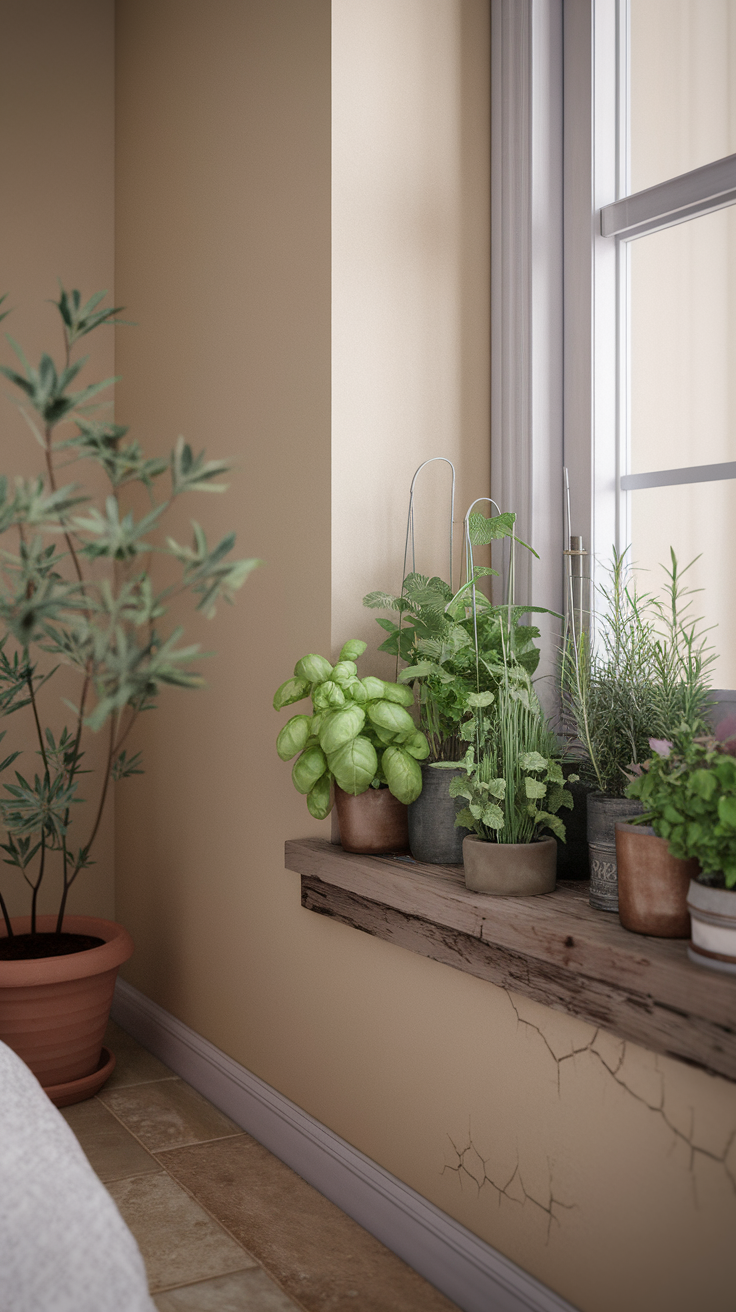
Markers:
<point>603,812</point>
<point>432,834</point>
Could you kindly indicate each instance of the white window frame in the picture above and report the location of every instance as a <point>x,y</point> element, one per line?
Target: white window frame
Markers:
<point>562,220</point>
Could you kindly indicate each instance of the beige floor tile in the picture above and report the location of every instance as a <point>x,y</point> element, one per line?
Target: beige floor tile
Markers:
<point>133,1065</point>
<point>317,1254</point>
<point>245,1291</point>
<point>167,1114</point>
<point>112,1151</point>
<point>180,1243</point>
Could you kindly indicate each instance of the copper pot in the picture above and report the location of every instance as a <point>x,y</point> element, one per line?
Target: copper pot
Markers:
<point>373,822</point>
<point>652,884</point>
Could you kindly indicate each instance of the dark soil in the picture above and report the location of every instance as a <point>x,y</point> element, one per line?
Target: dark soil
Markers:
<point>26,947</point>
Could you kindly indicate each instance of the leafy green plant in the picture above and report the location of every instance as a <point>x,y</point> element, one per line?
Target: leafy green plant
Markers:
<point>75,590</point>
<point>360,734</point>
<point>645,673</point>
<point>516,787</point>
<point>688,791</point>
<point>436,635</point>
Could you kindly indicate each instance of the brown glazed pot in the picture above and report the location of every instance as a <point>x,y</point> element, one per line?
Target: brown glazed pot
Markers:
<point>373,823</point>
<point>54,1010</point>
<point>652,885</point>
<point>510,869</point>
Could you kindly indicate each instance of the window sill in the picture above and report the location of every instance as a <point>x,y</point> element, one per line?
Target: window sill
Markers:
<point>555,949</point>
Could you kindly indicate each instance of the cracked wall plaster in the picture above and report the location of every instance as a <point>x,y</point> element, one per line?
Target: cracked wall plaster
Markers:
<point>594,1156</point>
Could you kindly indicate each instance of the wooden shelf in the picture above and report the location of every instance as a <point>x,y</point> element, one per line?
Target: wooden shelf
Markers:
<point>555,949</point>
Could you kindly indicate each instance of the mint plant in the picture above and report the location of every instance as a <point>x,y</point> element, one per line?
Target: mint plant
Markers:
<point>59,605</point>
<point>688,791</point>
<point>436,635</point>
<point>515,787</point>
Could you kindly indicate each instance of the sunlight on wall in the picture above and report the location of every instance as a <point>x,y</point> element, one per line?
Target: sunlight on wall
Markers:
<point>410,278</point>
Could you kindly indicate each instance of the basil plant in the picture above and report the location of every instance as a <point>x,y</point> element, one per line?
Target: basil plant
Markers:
<point>360,734</point>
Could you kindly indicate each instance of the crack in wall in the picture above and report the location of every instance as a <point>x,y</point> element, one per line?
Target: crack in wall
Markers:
<point>481,1177</point>
<point>658,1108</point>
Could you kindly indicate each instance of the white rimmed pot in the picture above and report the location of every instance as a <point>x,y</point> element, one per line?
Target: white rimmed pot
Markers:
<point>510,869</point>
<point>713,926</point>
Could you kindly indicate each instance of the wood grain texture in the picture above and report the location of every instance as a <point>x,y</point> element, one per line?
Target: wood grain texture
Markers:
<point>554,949</point>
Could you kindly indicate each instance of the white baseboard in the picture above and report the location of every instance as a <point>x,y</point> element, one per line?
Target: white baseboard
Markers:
<point>471,1273</point>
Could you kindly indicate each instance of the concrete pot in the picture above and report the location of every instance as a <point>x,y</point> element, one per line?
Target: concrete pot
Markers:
<point>652,884</point>
<point>603,812</point>
<point>375,822</point>
<point>510,869</point>
<point>432,834</point>
<point>713,913</point>
<point>54,1010</point>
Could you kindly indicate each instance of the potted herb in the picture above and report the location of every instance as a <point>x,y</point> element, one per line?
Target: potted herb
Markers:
<point>688,790</point>
<point>454,646</point>
<point>359,748</point>
<point>644,672</point>
<point>514,790</point>
<point>75,591</point>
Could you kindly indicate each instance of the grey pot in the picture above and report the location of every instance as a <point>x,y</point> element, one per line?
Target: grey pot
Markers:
<point>510,869</point>
<point>432,834</point>
<point>603,812</point>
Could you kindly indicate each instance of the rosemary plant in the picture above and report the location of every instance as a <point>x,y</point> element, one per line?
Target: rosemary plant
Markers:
<point>75,590</point>
<point>644,675</point>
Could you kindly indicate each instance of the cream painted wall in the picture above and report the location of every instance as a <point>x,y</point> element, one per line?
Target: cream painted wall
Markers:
<point>56,221</point>
<point>410,289</point>
<point>602,1169</point>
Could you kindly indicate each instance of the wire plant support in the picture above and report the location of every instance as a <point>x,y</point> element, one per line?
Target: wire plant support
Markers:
<point>410,531</point>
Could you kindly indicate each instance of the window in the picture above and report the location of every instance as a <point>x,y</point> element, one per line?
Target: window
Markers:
<point>650,311</point>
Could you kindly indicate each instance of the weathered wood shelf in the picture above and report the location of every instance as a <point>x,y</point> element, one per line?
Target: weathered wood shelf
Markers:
<point>555,949</point>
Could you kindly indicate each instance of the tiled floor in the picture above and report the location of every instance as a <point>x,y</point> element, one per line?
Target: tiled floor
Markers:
<point>222,1224</point>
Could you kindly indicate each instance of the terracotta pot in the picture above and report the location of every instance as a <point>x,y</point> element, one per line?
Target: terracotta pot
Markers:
<point>652,885</point>
<point>374,822</point>
<point>510,869</point>
<point>603,813</point>
<point>433,836</point>
<point>713,912</point>
<point>54,1010</point>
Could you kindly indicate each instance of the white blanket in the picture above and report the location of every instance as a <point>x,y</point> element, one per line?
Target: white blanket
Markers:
<point>63,1245</point>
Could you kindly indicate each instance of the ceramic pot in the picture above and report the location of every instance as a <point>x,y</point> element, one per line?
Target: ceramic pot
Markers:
<point>510,869</point>
<point>652,884</point>
<point>713,913</point>
<point>603,812</point>
<point>432,834</point>
<point>54,1010</point>
<point>374,822</point>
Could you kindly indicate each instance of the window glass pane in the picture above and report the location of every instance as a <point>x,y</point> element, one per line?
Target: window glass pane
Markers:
<point>696,520</point>
<point>683,344</point>
<point>683,412</point>
<point>682,86</point>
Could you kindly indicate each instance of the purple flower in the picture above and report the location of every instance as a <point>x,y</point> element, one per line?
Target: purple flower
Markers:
<point>661,746</point>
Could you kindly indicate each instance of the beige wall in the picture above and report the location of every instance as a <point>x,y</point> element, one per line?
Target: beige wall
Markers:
<point>605,1171</point>
<point>410,290</point>
<point>56,221</point>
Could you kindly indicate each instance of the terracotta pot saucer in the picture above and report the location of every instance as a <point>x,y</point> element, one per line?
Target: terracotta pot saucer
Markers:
<point>64,1095</point>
